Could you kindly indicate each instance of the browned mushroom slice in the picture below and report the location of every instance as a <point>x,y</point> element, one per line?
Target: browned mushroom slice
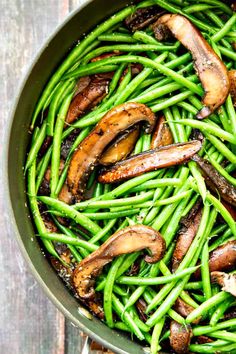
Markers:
<point>150,160</point>
<point>186,236</point>
<point>162,135</point>
<point>143,17</point>
<point>216,181</point>
<point>211,70</point>
<point>180,337</point>
<point>232,79</point>
<point>230,314</point>
<point>121,148</point>
<point>184,309</point>
<point>226,281</point>
<point>222,258</point>
<point>67,143</point>
<point>86,99</point>
<point>82,83</point>
<point>128,240</point>
<point>89,151</point>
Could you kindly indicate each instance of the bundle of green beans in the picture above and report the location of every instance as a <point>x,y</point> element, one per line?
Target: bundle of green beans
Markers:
<point>167,84</point>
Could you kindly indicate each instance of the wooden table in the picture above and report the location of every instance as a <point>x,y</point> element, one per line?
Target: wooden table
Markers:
<point>29,322</point>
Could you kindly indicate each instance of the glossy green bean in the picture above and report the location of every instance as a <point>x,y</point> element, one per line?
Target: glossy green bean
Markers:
<point>126,317</point>
<point>71,213</point>
<point>155,347</point>
<point>225,29</point>
<point>36,145</point>
<point>57,138</point>
<point>220,310</point>
<point>108,289</point>
<point>133,280</point>
<point>207,305</point>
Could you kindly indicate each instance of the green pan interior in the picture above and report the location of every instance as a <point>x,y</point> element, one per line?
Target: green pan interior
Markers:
<point>79,22</point>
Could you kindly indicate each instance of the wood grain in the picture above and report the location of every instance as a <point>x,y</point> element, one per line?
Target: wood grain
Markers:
<point>29,322</point>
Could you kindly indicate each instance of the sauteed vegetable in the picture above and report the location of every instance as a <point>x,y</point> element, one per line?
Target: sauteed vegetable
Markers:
<point>131,173</point>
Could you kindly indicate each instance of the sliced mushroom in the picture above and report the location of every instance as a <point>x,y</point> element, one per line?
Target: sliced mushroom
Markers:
<point>222,258</point>
<point>204,340</point>
<point>141,306</point>
<point>186,235</point>
<point>128,240</point>
<point>89,151</point>
<point>216,181</point>
<point>230,314</point>
<point>226,281</point>
<point>143,17</point>
<point>184,309</point>
<point>121,148</point>
<point>232,79</point>
<point>150,160</point>
<point>211,70</point>
<point>180,337</point>
<point>162,135</point>
<point>86,99</point>
<point>82,83</point>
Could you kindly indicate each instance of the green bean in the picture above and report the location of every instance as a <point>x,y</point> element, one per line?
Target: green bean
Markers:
<point>137,59</point>
<point>133,280</point>
<point>225,29</point>
<point>175,9</point>
<point>119,309</point>
<point>220,310</point>
<point>201,330</point>
<point>227,52</point>
<point>117,37</point>
<point>36,146</point>
<point>55,104</point>
<point>76,53</point>
<point>65,230</point>
<point>155,347</point>
<point>97,237</point>
<point>162,104</point>
<point>168,210</point>
<point>231,111</point>
<point>223,211</point>
<point>114,203</point>
<point>137,80</point>
<point>153,184</point>
<point>222,148</point>
<point>185,296</point>
<point>107,297</point>
<point>35,210</point>
<point>69,240</point>
<point>122,326</point>
<point>209,128</point>
<point>222,171</point>
<point>69,212</point>
<point>110,215</point>
<point>225,8</point>
<point>206,281</point>
<point>172,227</point>
<point>207,305</point>
<point>55,163</point>
<point>190,258</point>
<point>198,348</point>
<point>176,317</point>
<point>135,296</point>
<point>195,8</point>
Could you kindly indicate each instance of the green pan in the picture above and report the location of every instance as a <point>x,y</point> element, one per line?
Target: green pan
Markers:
<point>54,50</point>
